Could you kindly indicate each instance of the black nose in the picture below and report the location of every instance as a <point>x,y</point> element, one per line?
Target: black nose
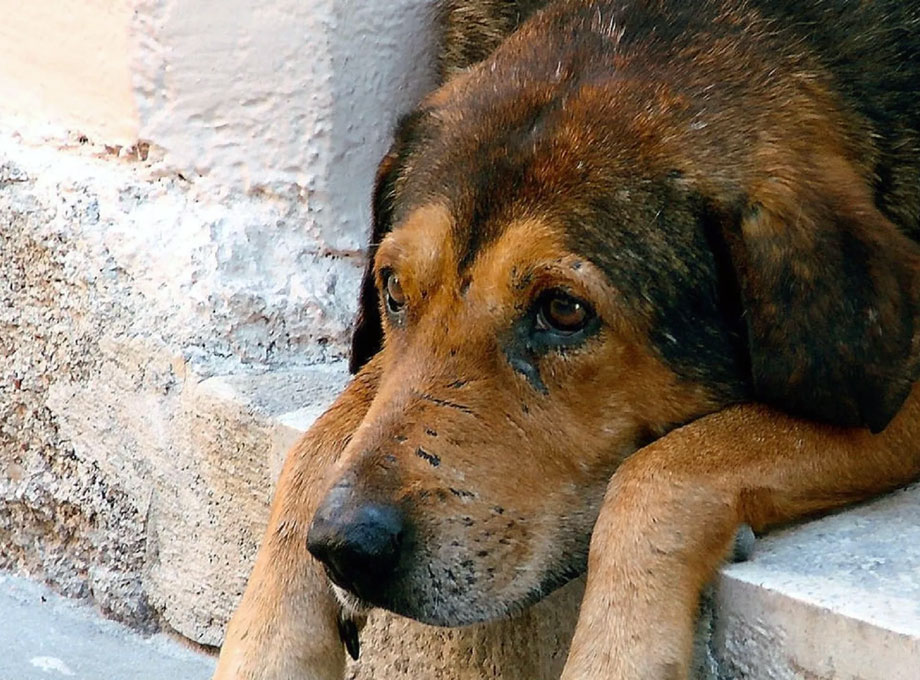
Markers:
<point>360,547</point>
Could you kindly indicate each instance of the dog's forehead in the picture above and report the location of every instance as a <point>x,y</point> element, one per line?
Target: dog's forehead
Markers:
<point>426,242</point>
<point>538,161</point>
<point>423,249</point>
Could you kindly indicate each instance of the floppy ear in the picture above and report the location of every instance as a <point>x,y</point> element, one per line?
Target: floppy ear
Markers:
<point>829,289</point>
<point>367,336</point>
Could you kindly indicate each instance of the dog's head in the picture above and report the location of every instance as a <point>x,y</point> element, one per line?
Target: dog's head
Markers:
<point>565,266</point>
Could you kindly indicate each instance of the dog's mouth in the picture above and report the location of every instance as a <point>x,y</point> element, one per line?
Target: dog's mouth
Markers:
<point>353,607</point>
<point>447,560</point>
<point>354,610</point>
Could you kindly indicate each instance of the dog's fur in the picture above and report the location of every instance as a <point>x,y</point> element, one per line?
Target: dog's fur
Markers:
<point>732,191</point>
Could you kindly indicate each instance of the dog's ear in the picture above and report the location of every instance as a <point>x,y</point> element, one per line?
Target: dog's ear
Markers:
<point>367,336</point>
<point>829,291</point>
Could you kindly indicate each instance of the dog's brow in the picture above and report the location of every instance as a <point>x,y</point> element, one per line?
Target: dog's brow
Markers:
<point>520,249</point>
<point>421,244</point>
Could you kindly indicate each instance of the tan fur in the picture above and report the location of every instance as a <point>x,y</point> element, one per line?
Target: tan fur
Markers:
<point>285,625</point>
<point>672,510</point>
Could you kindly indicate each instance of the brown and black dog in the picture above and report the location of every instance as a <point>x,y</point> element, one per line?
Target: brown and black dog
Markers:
<point>646,271</point>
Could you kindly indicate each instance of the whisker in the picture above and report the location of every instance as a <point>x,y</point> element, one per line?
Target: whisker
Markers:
<point>447,404</point>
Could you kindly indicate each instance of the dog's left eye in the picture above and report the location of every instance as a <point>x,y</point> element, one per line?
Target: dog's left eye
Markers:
<point>562,313</point>
<point>395,296</point>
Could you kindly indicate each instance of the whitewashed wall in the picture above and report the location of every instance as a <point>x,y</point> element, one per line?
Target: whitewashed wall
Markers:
<point>184,199</point>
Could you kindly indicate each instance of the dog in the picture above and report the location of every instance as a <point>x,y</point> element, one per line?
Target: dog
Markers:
<point>641,271</point>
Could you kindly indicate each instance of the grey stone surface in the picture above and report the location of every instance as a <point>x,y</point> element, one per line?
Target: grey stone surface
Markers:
<point>837,598</point>
<point>44,636</point>
<point>124,291</point>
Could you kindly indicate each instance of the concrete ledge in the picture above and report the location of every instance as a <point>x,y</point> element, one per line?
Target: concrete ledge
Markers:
<point>286,402</point>
<point>44,636</point>
<point>834,599</point>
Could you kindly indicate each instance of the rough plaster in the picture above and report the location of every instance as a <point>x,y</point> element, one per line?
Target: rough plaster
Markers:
<point>121,292</point>
<point>65,62</point>
<point>230,280</point>
<point>281,96</point>
<point>184,193</point>
<point>284,93</point>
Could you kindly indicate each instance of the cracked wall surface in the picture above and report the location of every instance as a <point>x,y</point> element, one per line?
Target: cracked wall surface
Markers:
<point>184,201</point>
<point>121,294</point>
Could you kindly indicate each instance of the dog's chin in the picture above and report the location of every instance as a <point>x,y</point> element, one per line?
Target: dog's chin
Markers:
<point>428,604</point>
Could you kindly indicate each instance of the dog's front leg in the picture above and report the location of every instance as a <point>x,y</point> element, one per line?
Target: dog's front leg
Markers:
<point>285,627</point>
<point>672,509</point>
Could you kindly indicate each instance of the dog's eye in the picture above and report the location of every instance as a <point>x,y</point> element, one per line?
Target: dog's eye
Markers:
<point>562,313</point>
<point>396,297</point>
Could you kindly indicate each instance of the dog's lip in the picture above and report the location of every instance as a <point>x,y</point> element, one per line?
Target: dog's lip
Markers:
<point>352,606</point>
<point>336,578</point>
<point>356,599</point>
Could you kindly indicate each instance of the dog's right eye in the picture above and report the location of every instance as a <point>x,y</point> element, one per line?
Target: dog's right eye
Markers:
<point>395,296</point>
<point>562,313</point>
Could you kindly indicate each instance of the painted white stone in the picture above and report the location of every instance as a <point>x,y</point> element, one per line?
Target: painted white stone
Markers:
<point>184,194</point>
<point>65,63</point>
<point>286,97</point>
<point>224,279</point>
<point>283,94</point>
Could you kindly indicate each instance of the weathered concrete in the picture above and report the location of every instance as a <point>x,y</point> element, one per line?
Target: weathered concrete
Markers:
<point>184,193</point>
<point>44,636</point>
<point>834,599</point>
<point>121,292</point>
<point>122,477</point>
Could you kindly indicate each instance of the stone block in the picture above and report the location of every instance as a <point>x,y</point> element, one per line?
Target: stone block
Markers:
<point>837,598</point>
<point>121,294</point>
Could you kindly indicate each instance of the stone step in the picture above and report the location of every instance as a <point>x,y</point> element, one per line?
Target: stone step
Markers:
<point>44,636</point>
<point>833,599</point>
<point>837,598</point>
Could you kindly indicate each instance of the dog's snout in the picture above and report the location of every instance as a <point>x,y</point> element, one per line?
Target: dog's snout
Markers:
<point>358,545</point>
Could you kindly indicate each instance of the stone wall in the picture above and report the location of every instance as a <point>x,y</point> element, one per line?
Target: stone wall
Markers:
<point>184,199</point>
